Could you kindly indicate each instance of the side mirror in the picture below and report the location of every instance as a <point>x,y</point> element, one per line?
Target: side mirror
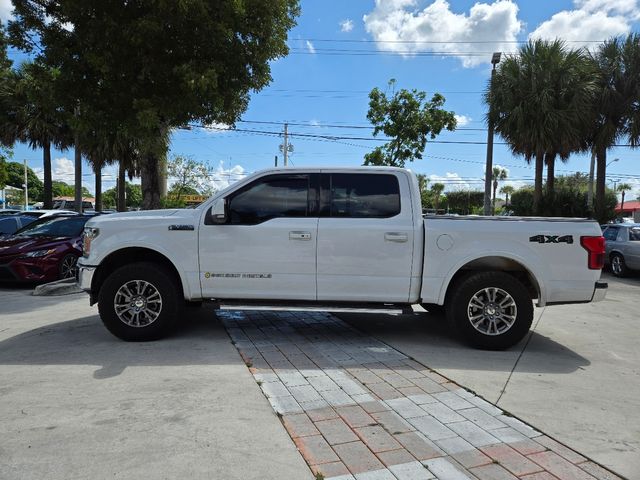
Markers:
<point>218,210</point>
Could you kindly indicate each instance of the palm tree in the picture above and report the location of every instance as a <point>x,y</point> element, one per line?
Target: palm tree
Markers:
<point>38,119</point>
<point>436,191</point>
<point>623,188</point>
<point>507,190</point>
<point>498,174</point>
<point>538,99</point>
<point>615,109</point>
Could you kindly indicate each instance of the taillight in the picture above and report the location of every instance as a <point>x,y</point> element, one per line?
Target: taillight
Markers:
<point>595,247</point>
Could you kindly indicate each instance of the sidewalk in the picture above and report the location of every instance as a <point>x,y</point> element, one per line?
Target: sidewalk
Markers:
<point>358,409</point>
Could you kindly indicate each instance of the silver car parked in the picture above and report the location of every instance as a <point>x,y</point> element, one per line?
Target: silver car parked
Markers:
<point>622,247</point>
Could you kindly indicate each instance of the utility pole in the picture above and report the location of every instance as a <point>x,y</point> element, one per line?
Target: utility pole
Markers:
<point>26,188</point>
<point>276,160</point>
<point>488,173</point>
<point>286,147</point>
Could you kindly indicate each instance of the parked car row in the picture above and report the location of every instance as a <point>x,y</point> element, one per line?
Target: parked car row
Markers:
<point>45,250</point>
<point>622,247</point>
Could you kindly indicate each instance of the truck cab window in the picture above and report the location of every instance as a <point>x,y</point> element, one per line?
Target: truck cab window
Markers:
<point>355,195</point>
<point>270,197</point>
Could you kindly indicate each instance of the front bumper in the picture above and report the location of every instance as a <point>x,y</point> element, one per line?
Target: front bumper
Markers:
<point>600,291</point>
<point>85,277</point>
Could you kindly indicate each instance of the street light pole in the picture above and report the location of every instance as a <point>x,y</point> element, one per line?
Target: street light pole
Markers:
<point>495,59</point>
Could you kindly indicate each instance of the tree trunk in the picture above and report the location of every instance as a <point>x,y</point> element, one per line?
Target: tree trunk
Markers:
<point>121,205</point>
<point>601,174</point>
<point>78,177</point>
<point>48,185</point>
<point>622,205</point>
<point>550,160</point>
<point>537,191</point>
<point>98,172</point>
<point>150,182</point>
<point>493,203</point>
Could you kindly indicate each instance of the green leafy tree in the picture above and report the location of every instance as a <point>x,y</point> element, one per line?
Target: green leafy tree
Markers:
<point>436,192</point>
<point>188,175</point>
<point>175,62</point>
<point>539,101</point>
<point>133,195</point>
<point>15,178</point>
<point>615,110</point>
<point>569,199</point>
<point>498,174</point>
<point>464,202</point>
<point>62,189</point>
<point>409,119</point>
<point>3,172</point>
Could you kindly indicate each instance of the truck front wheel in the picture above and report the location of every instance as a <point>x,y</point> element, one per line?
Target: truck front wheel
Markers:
<point>491,310</point>
<point>139,302</point>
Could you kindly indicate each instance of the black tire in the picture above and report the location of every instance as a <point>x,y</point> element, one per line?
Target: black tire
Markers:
<point>146,281</point>
<point>67,266</point>
<point>618,266</point>
<point>503,321</point>
<point>434,309</point>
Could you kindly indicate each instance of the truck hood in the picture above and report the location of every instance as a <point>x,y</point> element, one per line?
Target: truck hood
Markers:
<point>157,217</point>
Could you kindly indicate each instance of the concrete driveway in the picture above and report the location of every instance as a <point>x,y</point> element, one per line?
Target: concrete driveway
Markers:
<point>576,377</point>
<point>76,403</point>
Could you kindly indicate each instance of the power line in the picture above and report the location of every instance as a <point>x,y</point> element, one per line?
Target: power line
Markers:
<point>427,42</point>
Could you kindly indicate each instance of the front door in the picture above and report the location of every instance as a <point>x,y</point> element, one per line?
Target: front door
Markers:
<point>267,247</point>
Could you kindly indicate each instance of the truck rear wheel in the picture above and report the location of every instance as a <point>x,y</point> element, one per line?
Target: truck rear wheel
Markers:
<point>139,302</point>
<point>491,310</point>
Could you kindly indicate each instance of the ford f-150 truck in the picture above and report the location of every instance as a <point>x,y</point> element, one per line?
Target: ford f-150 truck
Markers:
<point>336,239</point>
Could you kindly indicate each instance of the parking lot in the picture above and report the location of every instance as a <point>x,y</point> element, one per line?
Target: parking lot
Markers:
<point>77,403</point>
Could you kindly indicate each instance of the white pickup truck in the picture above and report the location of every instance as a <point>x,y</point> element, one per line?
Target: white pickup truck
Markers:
<point>336,239</point>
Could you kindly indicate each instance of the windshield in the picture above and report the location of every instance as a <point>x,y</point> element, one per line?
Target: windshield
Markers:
<point>55,227</point>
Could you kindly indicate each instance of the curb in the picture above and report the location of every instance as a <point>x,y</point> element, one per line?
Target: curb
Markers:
<point>66,286</point>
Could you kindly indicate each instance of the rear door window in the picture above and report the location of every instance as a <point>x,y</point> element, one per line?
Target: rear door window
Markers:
<point>362,195</point>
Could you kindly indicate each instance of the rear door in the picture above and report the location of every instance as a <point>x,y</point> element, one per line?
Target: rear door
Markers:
<point>365,237</point>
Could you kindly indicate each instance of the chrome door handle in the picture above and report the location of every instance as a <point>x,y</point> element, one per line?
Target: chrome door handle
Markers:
<point>396,237</point>
<point>299,235</point>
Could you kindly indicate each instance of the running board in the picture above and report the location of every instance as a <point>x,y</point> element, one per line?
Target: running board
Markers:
<point>390,309</point>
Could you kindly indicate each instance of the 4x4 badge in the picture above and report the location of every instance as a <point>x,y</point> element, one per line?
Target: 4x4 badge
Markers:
<point>552,239</point>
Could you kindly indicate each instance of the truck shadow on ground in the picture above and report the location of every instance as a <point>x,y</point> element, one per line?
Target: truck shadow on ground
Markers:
<point>427,337</point>
<point>200,340</point>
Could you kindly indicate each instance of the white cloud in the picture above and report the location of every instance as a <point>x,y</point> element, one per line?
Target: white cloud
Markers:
<point>400,21</point>
<point>462,120</point>
<point>222,177</point>
<point>6,9</point>
<point>346,25</point>
<point>452,182</point>
<point>310,47</point>
<point>217,127</point>
<point>591,20</point>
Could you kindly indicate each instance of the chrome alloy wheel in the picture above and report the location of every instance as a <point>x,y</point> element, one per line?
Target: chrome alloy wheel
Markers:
<point>137,303</point>
<point>492,311</point>
<point>616,264</point>
<point>68,267</point>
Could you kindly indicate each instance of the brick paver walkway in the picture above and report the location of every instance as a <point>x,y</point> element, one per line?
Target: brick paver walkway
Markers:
<point>359,410</point>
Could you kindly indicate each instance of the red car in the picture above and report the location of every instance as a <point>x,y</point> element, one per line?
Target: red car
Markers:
<point>44,251</point>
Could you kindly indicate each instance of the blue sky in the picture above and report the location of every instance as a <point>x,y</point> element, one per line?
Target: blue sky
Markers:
<point>340,50</point>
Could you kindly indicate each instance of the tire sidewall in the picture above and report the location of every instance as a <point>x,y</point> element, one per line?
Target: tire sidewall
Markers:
<point>157,276</point>
<point>468,287</point>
